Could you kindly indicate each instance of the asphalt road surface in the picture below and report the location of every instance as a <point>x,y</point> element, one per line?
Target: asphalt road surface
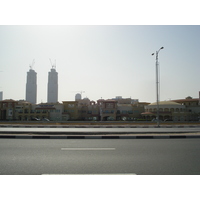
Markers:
<point>101,156</point>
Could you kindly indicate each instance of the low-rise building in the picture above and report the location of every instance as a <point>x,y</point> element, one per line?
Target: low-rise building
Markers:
<point>130,110</point>
<point>70,110</point>
<point>24,111</point>
<point>93,111</point>
<point>104,110</point>
<point>88,110</point>
<point>53,111</point>
<point>192,106</point>
<point>7,109</point>
<point>168,110</point>
<point>107,109</point>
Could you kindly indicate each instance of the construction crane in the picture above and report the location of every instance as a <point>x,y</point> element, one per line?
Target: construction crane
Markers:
<point>31,66</point>
<point>79,92</point>
<point>53,65</point>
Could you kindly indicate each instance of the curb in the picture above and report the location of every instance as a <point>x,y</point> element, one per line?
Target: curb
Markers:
<point>99,126</point>
<point>97,137</point>
<point>93,134</point>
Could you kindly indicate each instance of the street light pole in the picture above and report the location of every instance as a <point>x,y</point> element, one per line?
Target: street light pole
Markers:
<point>157,86</point>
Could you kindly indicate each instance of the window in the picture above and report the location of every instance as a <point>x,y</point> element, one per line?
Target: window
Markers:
<point>136,111</point>
<point>26,111</point>
<point>108,111</point>
<point>109,105</point>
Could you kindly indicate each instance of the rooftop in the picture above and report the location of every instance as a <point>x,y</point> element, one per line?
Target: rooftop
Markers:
<point>186,100</point>
<point>165,103</point>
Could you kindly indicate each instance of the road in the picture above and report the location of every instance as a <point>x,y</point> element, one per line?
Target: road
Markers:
<point>100,156</point>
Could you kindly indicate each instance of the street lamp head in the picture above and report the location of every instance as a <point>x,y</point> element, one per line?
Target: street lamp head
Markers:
<point>152,54</point>
<point>162,48</point>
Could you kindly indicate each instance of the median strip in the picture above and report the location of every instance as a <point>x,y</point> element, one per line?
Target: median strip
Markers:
<point>24,136</point>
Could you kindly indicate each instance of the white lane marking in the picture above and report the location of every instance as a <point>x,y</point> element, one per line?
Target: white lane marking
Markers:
<point>87,149</point>
<point>94,174</point>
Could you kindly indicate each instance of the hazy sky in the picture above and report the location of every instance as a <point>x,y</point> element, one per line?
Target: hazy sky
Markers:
<point>103,61</point>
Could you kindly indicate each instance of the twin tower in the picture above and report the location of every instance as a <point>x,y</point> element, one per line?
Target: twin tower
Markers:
<point>52,88</point>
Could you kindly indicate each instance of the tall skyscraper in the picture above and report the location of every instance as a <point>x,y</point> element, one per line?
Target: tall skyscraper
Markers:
<point>1,96</point>
<point>52,96</point>
<point>31,86</point>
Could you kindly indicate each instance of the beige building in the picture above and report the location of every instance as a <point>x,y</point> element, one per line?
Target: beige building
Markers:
<point>88,110</point>
<point>107,109</point>
<point>129,110</point>
<point>24,111</point>
<point>70,110</point>
<point>53,111</point>
<point>104,110</point>
<point>168,110</point>
<point>124,109</point>
<point>192,106</point>
<point>138,108</point>
<point>7,109</point>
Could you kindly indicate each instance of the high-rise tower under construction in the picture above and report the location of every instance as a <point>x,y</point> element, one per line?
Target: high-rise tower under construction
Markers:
<point>31,86</point>
<point>52,95</point>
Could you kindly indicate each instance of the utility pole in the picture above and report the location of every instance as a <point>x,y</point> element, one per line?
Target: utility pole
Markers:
<point>157,87</point>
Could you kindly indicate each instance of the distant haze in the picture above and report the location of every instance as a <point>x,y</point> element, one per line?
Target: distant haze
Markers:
<point>103,61</point>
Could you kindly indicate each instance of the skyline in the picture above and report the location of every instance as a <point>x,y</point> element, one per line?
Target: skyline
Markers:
<point>109,12</point>
<point>103,61</point>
